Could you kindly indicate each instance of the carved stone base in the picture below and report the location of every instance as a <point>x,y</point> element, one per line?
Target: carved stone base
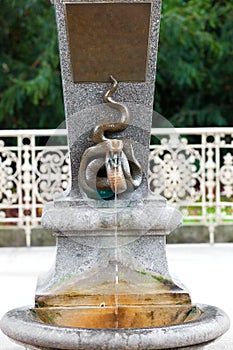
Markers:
<point>140,299</point>
<point>84,273</point>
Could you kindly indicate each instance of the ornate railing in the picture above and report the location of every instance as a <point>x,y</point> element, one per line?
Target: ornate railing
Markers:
<point>192,168</point>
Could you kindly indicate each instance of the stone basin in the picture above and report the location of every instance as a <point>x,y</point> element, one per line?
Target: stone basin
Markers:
<point>24,326</point>
<point>125,316</point>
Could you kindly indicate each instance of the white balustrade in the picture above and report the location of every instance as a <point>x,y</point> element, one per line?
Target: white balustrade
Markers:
<point>191,167</point>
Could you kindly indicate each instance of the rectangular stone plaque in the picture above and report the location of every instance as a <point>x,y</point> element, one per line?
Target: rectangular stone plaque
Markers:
<point>108,39</point>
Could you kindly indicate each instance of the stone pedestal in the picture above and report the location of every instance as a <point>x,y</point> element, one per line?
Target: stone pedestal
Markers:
<point>92,239</point>
<point>86,235</point>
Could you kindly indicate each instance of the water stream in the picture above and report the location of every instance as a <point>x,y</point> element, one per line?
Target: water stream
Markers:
<point>116,250</point>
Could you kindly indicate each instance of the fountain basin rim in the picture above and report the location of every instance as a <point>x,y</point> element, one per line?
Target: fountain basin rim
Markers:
<point>23,327</point>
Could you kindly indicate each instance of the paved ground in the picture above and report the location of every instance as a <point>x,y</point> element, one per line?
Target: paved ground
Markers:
<point>206,270</point>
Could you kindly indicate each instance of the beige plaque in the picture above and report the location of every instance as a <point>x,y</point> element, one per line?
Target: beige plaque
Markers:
<point>108,39</point>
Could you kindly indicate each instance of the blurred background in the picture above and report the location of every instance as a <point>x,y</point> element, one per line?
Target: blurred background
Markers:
<point>194,69</point>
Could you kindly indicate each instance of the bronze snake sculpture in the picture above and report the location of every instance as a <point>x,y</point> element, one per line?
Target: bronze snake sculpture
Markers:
<point>110,166</point>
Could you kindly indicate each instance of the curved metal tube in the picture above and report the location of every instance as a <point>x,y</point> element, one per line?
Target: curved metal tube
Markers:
<point>125,116</point>
<point>110,126</point>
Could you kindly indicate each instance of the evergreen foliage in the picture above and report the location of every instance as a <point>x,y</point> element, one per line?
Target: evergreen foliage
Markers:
<point>195,63</point>
<point>30,87</point>
<point>194,70</point>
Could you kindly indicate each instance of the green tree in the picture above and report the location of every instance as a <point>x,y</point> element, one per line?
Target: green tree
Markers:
<point>30,87</point>
<point>195,69</point>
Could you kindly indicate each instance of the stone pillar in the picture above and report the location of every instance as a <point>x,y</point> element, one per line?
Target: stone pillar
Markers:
<point>84,106</point>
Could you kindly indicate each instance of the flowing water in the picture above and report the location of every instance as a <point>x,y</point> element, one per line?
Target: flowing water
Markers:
<point>116,250</point>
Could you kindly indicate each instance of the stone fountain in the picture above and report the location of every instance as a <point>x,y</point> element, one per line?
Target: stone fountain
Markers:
<point>110,287</point>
